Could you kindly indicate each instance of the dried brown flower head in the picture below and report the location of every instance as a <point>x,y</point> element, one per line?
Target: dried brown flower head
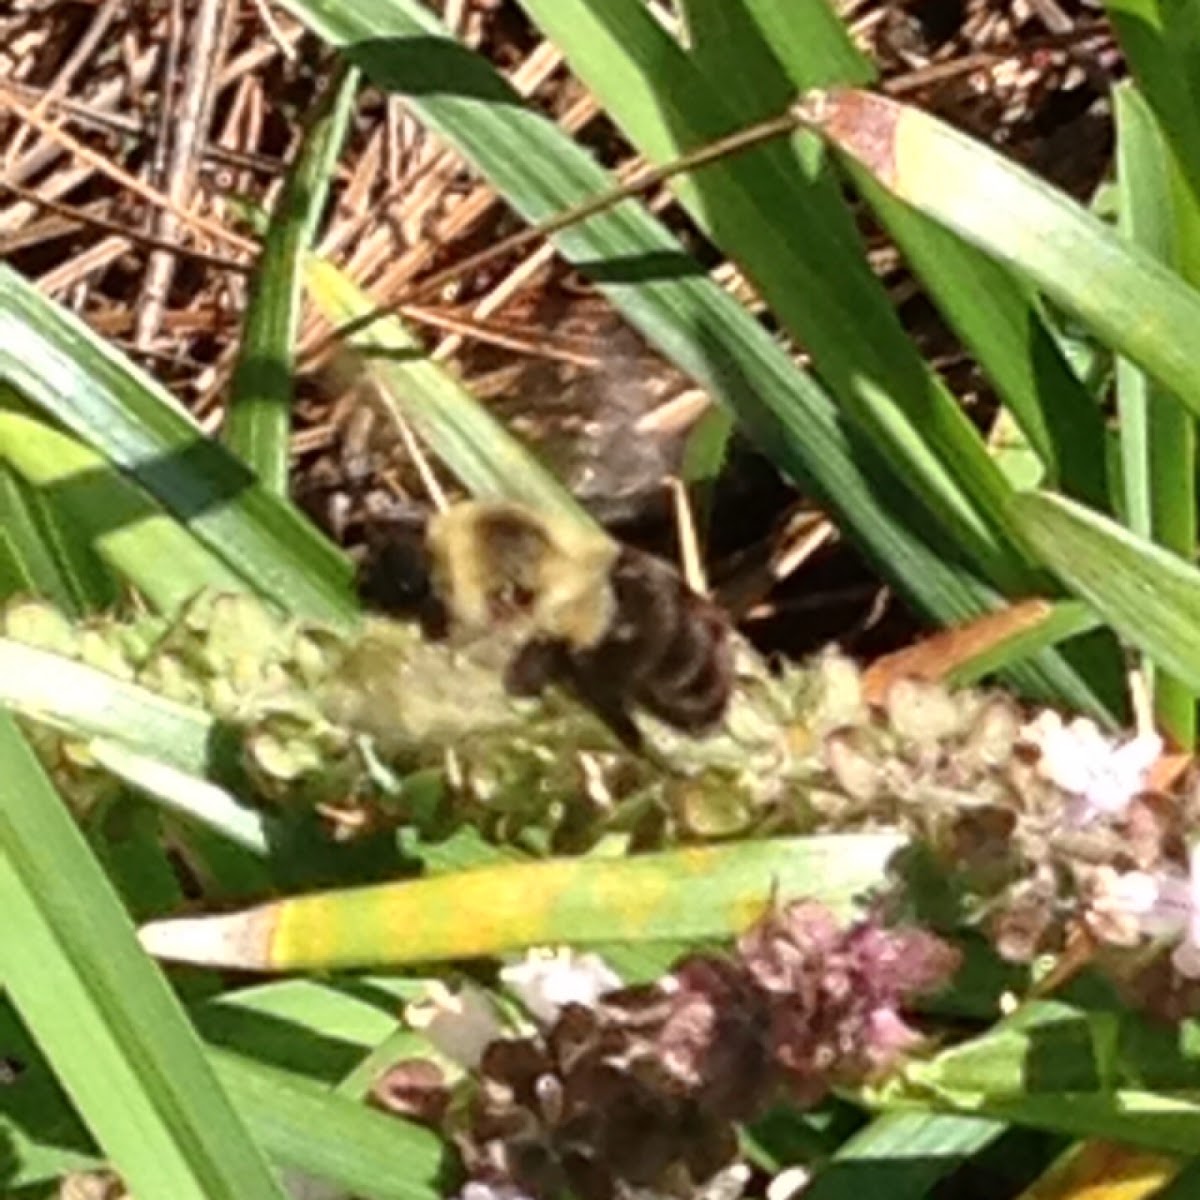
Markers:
<point>643,1089</point>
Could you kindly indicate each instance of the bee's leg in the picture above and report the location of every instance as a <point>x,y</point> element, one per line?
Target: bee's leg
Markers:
<point>616,716</point>
<point>394,577</point>
<point>535,666</point>
<point>540,663</point>
<point>434,620</point>
<point>609,704</point>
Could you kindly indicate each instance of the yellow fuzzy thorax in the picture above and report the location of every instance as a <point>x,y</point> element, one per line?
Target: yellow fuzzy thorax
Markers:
<point>502,565</point>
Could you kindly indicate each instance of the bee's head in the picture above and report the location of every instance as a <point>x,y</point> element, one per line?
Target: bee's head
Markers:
<point>514,551</point>
<point>506,565</point>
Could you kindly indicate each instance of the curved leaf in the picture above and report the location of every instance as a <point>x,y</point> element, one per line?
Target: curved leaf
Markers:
<point>1134,303</point>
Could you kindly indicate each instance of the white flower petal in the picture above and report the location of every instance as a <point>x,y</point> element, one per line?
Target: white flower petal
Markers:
<point>1101,774</point>
<point>460,1024</point>
<point>491,1191</point>
<point>546,980</point>
<point>789,1183</point>
<point>300,1186</point>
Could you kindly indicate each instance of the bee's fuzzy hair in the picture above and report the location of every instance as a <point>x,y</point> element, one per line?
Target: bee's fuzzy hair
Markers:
<point>496,562</point>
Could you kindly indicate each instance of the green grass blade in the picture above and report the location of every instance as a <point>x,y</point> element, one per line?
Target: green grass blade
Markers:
<point>127,837</point>
<point>1132,302</point>
<point>811,43</point>
<point>48,560</point>
<point>1067,619</point>
<point>1071,1071</point>
<point>85,701</point>
<point>301,1125</point>
<point>1158,443</point>
<point>41,1136</point>
<point>996,318</point>
<point>1144,206</point>
<point>195,798</point>
<point>725,44</point>
<point>166,749</point>
<point>1150,596</point>
<point>705,452</point>
<point>320,1028</point>
<point>901,1156</point>
<point>55,362</point>
<point>126,528</point>
<point>1002,326</point>
<point>1161,42</point>
<point>258,418</point>
<point>310,1128</point>
<point>15,578</point>
<point>102,1013</point>
<point>707,448</point>
<point>1163,504</point>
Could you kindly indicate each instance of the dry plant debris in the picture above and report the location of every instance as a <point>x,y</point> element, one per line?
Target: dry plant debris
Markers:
<point>131,132</point>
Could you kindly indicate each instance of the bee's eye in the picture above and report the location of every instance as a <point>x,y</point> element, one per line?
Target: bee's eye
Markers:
<point>510,600</point>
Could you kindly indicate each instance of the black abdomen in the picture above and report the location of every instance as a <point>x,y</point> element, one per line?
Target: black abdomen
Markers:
<point>668,649</point>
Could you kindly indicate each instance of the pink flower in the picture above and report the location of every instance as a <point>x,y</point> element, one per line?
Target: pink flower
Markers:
<point>1133,904</point>
<point>834,994</point>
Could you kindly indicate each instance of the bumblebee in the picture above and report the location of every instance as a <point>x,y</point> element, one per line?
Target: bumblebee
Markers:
<point>617,627</point>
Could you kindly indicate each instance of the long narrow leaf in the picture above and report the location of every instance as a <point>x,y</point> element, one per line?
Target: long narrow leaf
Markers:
<point>90,703</point>
<point>811,43</point>
<point>179,792</point>
<point>901,1156</point>
<point>1064,620</point>
<point>1161,41</point>
<point>1150,596</point>
<point>1074,1072</point>
<point>484,456</point>
<point>101,1011</point>
<point>125,526</point>
<point>1081,264</point>
<point>687,894</point>
<point>314,1130</point>
<point>1158,441</point>
<point>1002,325</point>
<point>1145,219</point>
<point>996,317</point>
<point>752,209</point>
<point>35,568</point>
<point>258,418</point>
<point>301,1125</point>
<point>725,44</point>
